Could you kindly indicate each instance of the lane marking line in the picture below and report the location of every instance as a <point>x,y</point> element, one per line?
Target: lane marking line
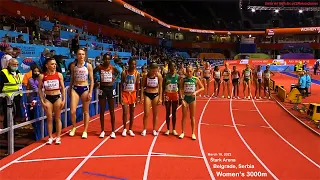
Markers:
<point>109,156</point>
<point>200,140</point>
<point>104,175</point>
<point>243,110</point>
<point>296,149</point>
<point>230,125</point>
<point>94,150</point>
<point>246,144</point>
<point>147,164</point>
<point>40,146</point>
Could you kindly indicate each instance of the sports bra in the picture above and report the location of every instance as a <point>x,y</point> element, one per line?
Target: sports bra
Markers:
<point>152,82</point>
<point>259,74</point>
<point>81,73</point>
<point>51,82</point>
<point>226,74</point>
<point>206,72</point>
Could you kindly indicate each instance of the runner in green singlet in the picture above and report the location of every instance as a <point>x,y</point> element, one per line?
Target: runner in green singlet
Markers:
<point>188,94</point>
<point>247,76</point>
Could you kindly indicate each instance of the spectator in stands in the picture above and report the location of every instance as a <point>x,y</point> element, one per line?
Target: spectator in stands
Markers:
<point>28,75</point>
<point>61,65</point>
<point>5,59</point>
<point>10,82</point>
<point>75,44</point>
<point>20,39</point>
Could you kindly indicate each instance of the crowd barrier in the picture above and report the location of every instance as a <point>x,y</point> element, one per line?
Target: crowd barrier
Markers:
<point>70,35</point>
<point>39,122</point>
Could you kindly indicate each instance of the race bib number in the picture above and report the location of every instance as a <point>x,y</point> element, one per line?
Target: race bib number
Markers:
<point>217,75</point>
<point>189,88</point>
<point>129,87</point>
<point>106,76</point>
<point>81,75</point>
<point>114,92</point>
<point>51,84</point>
<point>267,75</point>
<point>100,92</point>
<point>225,74</point>
<point>259,74</point>
<point>63,70</point>
<point>247,74</point>
<point>172,87</point>
<point>152,82</point>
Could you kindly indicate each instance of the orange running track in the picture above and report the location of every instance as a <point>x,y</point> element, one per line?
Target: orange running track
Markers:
<point>236,139</point>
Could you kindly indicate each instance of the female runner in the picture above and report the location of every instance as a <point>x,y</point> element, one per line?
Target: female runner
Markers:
<point>171,97</point>
<point>81,89</point>
<point>106,74</point>
<point>258,81</point>
<point>206,78</point>
<point>217,80</point>
<point>52,102</point>
<point>235,74</point>
<point>130,80</point>
<point>188,95</point>
<point>226,77</point>
<point>199,74</point>
<point>266,81</point>
<point>247,76</point>
<point>151,96</point>
<point>182,71</point>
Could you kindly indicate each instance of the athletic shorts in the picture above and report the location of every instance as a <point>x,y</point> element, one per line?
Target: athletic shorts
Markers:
<point>171,96</point>
<point>107,92</point>
<point>129,97</point>
<point>189,99</point>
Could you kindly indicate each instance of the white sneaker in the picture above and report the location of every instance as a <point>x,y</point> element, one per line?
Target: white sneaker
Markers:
<point>131,133</point>
<point>102,134</point>
<point>124,132</point>
<point>113,135</point>
<point>238,97</point>
<point>228,97</point>
<point>58,140</point>
<point>50,141</point>
<point>144,132</point>
<point>155,133</point>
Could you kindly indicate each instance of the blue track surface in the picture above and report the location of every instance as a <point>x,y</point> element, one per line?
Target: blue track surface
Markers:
<point>295,76</point>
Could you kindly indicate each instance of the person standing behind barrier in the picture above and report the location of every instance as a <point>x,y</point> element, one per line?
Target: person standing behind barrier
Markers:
<point>80,88</point>
<point>226,80</point>
<point>257,75</point>
<point>151,96</point>
<point>52,101</point>
<point>302,84</point>
<point>247,76</point>
<point>10,82</point>
<point>207,73</point>
<point>235,74</point>
<point>188,95</point>
<point>171,97</point>
<point>106,74</point>
<point>266,81</point>
<point>130,81</point>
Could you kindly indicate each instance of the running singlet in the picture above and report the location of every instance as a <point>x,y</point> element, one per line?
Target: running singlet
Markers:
<point>217,74</point>
<point>267,74</point>
<point>259,74</point>
<point>189,84</point>
<point>106,75</point>
<point>226,74</point>
<point>206,73</point>
<point>81,73</point>
<point>152,82</point>
<point>130,82</point>
<point>51,82</point>
<point>235,75</point>
<point>247,74</point>
<point>172,83</point>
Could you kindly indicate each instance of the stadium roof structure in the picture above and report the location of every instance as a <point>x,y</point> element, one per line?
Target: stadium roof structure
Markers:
<point>120,12</point>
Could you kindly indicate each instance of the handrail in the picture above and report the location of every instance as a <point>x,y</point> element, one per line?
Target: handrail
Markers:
<point>11,127</point>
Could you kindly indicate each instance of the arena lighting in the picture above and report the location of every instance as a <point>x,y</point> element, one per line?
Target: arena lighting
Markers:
<point>266,8</point>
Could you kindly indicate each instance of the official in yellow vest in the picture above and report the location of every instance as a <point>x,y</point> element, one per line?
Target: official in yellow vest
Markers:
<point>10,82</point>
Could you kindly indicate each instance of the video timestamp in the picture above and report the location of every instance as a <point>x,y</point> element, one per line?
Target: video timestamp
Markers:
<point>220,154</point>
